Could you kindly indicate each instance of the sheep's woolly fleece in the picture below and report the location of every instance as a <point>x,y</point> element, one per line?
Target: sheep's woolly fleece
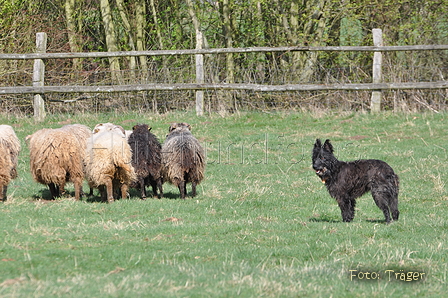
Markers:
<point>108,156</point>
<point>146,158</point>
<point>183,157</point>
<point>56,155</point>
<point>9,148</point>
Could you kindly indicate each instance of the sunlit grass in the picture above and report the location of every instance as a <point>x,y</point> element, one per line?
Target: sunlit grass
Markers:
<point>261,225</point>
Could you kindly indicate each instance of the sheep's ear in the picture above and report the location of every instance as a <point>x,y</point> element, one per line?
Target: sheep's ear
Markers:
<point>189,126</point>
<point>149,128</point>
<point>134,127</point>
<point>172,127</point>
<point>121,129</point>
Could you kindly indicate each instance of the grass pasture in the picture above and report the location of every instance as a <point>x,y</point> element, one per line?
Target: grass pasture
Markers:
<point>262,225</point>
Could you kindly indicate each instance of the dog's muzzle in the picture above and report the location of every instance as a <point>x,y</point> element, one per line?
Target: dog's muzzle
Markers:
<point>321,173</point>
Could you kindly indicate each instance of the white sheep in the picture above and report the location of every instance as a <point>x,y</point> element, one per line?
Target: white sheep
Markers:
<point>9,148</point>
<point>108,161</point>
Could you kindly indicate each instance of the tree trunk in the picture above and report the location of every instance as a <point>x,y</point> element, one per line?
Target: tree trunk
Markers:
<point>230,63</point>
<point>73,40</point>
<point>314,31</point>
<point>111,40</point>
<point>127,26</point>
<point>159,36</point>
<point>228,33</point>
<point>140,13</point>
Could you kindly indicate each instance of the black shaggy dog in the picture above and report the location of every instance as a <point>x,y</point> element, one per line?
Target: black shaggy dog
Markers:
<point>146,159</point>
<point>347,181</point>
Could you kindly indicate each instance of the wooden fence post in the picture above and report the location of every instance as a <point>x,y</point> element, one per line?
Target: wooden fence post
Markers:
<point>39,77</point>
<point>199,75</point>
<point>375,101</point>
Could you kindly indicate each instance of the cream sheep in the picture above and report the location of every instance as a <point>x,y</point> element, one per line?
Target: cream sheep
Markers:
<point>108,127</point>
<point>9,148</point>
<point>183,158</point>
<point>56,157</point>
<point>108,161</point>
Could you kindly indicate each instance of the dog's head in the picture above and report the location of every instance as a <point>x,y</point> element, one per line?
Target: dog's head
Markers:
<point>323,159</point>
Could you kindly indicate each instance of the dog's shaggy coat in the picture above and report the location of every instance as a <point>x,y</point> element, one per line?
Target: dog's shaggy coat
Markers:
<point>347,181</point>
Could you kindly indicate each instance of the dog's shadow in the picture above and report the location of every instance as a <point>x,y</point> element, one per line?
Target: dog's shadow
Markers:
<point>324,219</point>
<point>332,220</point>
<point>376,220</point>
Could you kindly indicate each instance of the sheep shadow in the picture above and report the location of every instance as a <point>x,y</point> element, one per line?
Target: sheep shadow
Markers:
<point>174,195</point>
<point>134,194</point>
<point>45,195</point>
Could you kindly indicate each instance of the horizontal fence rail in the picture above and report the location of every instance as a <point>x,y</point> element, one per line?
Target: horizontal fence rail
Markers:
<point>193,86</point>
<point>221,51</point>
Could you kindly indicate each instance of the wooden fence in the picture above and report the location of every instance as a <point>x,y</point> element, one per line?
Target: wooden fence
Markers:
<point>38,88</point>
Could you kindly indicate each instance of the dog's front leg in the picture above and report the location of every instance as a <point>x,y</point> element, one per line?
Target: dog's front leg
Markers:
<point>347,206</point>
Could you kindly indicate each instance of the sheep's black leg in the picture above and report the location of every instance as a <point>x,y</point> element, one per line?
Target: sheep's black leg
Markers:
<point>142,188</point>
<point>193,188</point>
<point>103,193</point>
<point>91,189</point>
<point>154,187</point>
<point>182,190</point>
<point>159,186</point>
<point>54,190</point>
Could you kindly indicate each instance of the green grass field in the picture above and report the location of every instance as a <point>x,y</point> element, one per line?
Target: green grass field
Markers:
<point>262,225</point>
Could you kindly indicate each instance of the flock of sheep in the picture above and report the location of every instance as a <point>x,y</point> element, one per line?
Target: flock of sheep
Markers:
<point>108,157</point>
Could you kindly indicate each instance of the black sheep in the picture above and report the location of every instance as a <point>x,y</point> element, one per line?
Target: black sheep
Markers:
<point>146,159</point>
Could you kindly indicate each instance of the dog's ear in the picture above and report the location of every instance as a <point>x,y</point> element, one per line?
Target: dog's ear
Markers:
<point>328,146</point>
<point>318,144</point>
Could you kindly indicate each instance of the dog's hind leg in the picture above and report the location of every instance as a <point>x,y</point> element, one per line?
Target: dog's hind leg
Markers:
<point>381,201</point>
